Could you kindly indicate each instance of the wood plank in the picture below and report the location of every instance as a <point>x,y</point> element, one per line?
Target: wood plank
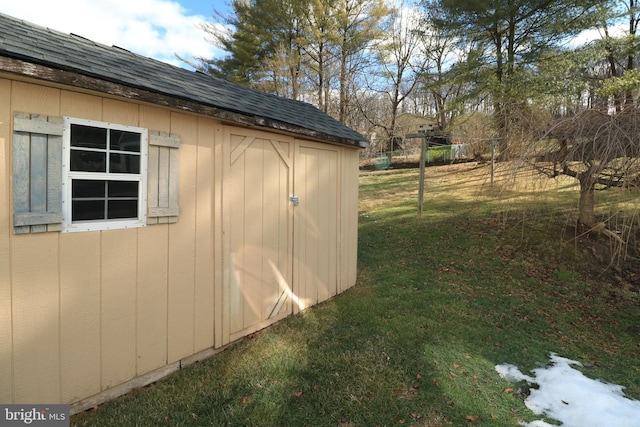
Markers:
<point>253,195</point>
<point>174,180</point>
<point>299,267</point>
<point>37,218</point>
<point>6,335</point>
<point>155,118</point>
<point>163,140</point>
<point>324,194</point>
<point>80,303</point>
<point>349,218</point>
<point>54,180</point>
<point>41,127</point>
<point>285,229</point>
<point>284,155</point>
<point>239,150</point>
<point>151,298</point>
<point>334,223</point>
<point>124,388</point>
<point>38,169</point>
<point>81,105</point>
<point>152,259</point>
<point>204,255</point>
<point>181,245</point>
<point>45,166</point>
<point>235,185</point>
<point>153,158</point>
<point>310,227</point>
<point>332,190</point>
<point>271,223</point>
<point>35,315</point>
<point>118,309</point>
<point>141,381</point>
<point>120,112</point>
<point>163,177</point>
<point>35,99</point>
<point>21,177</point>
<point>219,239</point>
<point>352,214</point>
<point>164,212</point>
<point>35,291</point>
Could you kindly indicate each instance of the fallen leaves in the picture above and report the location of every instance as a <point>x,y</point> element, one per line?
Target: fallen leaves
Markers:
<point>244,400</point>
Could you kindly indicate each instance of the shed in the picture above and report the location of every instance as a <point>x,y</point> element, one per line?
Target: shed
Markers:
<point>151,215</point>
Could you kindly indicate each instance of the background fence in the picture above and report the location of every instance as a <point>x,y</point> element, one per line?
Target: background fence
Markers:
<point>438,154</point>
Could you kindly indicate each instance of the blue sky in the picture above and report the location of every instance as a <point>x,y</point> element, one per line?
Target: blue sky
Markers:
<point>158,29</point>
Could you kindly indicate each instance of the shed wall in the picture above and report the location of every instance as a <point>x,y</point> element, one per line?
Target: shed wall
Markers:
<point>82,313</point>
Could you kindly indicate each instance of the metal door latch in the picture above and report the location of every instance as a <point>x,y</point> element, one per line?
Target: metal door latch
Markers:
<point>294,200</point>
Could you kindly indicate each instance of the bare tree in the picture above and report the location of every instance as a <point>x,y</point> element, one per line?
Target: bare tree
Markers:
<point>394,74</point>
<point>600,150</point>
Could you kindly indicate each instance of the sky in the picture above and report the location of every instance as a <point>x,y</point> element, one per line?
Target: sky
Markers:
<point>564,394</point>
<point>158,29</point>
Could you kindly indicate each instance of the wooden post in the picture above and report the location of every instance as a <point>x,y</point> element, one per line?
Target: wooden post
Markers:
<point>423,135</point>
<point>423,152</point>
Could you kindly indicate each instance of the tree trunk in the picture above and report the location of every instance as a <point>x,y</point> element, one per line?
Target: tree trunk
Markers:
<point>586,205</point>
<point>342,108</point>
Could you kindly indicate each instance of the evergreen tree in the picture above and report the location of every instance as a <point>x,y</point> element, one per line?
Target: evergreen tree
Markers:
<point>514,34</point>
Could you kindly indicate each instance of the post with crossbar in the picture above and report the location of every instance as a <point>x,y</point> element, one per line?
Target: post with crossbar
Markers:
<point>423,154</point>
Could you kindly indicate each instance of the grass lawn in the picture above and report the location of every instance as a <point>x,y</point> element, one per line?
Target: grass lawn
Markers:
<point>487,275</point>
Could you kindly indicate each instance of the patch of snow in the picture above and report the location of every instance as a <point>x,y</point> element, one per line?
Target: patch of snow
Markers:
<point>566,395</point>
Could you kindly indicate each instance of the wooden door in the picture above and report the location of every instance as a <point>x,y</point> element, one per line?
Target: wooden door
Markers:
<point>316,237</point>
<point>257,230</point>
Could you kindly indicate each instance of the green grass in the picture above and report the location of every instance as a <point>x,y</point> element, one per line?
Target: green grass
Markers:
<point>485,276</point>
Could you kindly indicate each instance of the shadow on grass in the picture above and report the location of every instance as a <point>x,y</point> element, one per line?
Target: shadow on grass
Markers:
<point>440,300</point>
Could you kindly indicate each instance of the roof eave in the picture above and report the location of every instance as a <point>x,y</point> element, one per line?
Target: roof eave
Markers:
<point>41,70</point>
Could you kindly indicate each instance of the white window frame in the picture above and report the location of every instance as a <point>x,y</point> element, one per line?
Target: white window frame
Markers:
<point>68,176</point>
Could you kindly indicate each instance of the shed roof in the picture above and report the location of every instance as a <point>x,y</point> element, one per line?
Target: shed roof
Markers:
<point>24,43</point>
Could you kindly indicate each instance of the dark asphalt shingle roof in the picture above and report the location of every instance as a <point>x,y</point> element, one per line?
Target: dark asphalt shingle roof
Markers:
<point>32,43</point>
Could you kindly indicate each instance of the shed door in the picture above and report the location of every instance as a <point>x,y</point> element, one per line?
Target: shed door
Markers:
<point>258,231</point>
<point>316,236</point>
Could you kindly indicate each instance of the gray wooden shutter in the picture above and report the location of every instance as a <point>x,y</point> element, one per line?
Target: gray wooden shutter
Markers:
<point>37,173</point>
<point>162,178</point>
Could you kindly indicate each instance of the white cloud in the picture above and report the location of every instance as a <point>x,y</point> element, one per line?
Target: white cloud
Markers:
<point>155,28</point>
<point>588,36</point>
<point>565,394</point>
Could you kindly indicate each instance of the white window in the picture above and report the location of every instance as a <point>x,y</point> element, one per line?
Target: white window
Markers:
<point>104,169</point>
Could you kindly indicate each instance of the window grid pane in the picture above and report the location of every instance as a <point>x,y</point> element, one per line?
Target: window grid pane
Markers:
<point>105,167</point>
<point>96,150</point>
<point>103,199</point>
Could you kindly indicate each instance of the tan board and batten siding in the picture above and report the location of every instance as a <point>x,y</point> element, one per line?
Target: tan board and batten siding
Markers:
<point>88,315</point>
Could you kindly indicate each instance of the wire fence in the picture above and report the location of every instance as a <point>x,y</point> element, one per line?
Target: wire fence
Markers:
<point>434,155</point>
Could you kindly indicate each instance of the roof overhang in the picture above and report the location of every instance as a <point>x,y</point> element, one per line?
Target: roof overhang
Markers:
<point>30,69</point>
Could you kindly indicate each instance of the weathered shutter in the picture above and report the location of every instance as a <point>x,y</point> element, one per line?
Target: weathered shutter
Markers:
<point>37,173</point>
<point>162,178</point>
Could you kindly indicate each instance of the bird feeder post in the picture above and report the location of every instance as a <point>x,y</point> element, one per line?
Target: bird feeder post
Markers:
<point>423,154</point>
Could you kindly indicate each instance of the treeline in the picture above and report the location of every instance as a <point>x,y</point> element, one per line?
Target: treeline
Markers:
<point>518,63</point>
